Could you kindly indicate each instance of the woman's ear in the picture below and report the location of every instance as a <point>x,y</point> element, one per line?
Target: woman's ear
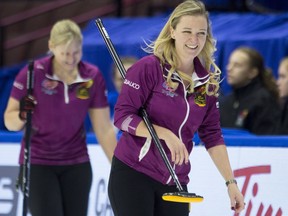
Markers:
<point>172,33</point>
<point>50,46</point>
<point>254,73</point>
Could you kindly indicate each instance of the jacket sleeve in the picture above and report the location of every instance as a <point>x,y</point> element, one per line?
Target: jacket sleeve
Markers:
<point>210,130</point>
<point>19,88</point>
<point>135,91</point>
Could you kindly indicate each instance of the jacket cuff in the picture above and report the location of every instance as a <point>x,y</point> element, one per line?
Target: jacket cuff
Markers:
<point>131,123</point>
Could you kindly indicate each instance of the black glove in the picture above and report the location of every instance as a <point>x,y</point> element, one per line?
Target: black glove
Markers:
<point>27,103</point>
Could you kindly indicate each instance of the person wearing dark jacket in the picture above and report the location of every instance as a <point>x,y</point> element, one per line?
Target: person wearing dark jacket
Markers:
<point>253,104</point>
<point>282,83</point>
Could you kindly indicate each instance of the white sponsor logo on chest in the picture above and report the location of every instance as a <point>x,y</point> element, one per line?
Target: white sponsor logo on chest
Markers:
<point>131,84</point>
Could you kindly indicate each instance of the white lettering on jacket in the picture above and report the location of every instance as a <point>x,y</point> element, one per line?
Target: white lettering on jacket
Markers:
<point>131,84</point>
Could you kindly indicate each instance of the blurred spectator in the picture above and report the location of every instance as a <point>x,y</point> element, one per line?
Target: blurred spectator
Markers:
<point>282,83</point>
<point>113,95</point>
<point>117,79</point>
<point>253,104</point>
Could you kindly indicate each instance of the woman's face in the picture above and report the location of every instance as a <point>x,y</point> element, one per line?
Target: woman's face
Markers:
<point>67,57</point>
<point>282,80</point>
<point>239,72</point>
<point>190,36</point>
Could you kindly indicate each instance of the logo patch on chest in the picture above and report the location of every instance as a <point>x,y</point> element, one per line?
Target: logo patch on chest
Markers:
<point>168,91</point>
<point>49,86</point>
<point>200,96</point>
<point>82,91</point>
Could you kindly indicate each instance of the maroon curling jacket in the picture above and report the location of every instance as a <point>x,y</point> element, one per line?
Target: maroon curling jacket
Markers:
<point>145,86</point>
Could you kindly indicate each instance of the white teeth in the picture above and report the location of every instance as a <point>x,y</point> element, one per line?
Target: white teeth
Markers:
<point>192,47</point>
<point>69,63</point>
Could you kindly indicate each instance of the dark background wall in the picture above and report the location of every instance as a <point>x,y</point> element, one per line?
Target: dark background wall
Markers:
<point>25,24</point>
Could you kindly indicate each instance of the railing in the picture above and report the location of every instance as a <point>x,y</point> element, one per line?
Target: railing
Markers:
<point>14,42</point>
<point>14,19</point>
<point>11,43</point>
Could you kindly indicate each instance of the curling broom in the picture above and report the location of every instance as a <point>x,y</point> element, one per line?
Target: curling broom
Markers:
<point>28,129</point>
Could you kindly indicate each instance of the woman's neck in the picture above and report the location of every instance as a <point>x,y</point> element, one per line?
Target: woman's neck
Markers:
<point>186,66</point>
<point>65,76</point>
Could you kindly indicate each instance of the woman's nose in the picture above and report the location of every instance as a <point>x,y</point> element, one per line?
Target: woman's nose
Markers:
<point>70,58</point>
<point>228,67</point>
<point>193,37</point>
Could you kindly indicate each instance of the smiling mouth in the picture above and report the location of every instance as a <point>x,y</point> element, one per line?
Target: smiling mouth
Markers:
<point>192,47</point>
<point>69,64</point>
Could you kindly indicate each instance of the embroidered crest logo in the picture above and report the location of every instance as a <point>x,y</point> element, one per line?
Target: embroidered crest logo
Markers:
<point>200,96</point>
<point>49,86</point>
<point>83,90</point>
<point>168,91</point>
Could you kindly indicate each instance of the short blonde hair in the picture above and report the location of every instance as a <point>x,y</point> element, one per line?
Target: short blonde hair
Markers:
<point>64,32</point>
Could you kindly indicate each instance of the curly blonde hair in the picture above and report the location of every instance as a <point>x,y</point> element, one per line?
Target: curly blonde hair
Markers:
<point>164,48</point>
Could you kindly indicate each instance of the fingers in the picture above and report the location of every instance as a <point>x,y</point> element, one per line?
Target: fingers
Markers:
<point>181,156</point>
<point>237,199</point>
<point>31,99</point>
<point>238,207</point>
<point>186,154</point>
<point>179,153</point>
<point>27,103</point>
<point>178,158</point>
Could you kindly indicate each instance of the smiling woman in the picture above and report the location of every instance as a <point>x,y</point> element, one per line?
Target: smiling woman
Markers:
<point>190,37</point>
<point>177,84</point>
<point>65,89</point>
<point>66,45</point>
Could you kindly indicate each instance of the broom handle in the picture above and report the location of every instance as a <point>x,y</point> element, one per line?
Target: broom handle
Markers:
<point>28,129</point>
<point>143,112</point>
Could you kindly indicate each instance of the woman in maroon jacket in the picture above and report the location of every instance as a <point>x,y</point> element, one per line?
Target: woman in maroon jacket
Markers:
<point>65,89</point>
<point>179,93</point>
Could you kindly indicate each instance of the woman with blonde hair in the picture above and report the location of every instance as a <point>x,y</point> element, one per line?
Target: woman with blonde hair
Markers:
<point>178,85</point>
<point>65,89</point>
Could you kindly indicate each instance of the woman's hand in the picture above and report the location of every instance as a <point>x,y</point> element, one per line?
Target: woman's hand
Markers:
<point>236,198</point>
<point>26,104</point>
<point>179,153</point>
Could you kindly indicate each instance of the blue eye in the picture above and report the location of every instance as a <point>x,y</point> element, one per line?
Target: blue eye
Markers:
<point>202,33</point>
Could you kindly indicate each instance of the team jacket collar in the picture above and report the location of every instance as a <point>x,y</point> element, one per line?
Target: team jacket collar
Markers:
<point>200,75</point>
<point>46,64</point>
